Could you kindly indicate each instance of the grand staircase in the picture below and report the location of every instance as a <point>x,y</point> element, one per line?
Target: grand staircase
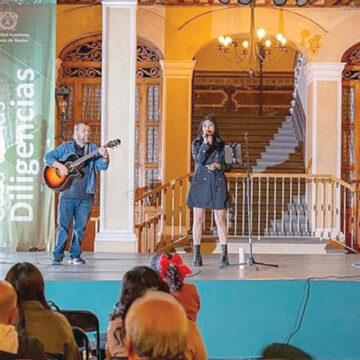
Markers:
<point>284,152</point>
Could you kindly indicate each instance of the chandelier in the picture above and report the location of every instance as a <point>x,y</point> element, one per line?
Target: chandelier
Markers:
<point>252,53</point>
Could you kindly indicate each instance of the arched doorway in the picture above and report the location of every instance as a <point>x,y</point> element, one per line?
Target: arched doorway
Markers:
<point>350,159</point>
<point>81,72</point>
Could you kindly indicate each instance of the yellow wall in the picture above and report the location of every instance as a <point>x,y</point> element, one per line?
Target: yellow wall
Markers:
<point>74,22</point>
<point>321,34</point>
<point>176,129</point>
<point>181,31</point>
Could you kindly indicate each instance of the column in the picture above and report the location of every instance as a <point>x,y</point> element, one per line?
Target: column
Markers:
<point>177,90</point>
<point>323,138</point>
<point>118,121</point>
<point>177,87</point>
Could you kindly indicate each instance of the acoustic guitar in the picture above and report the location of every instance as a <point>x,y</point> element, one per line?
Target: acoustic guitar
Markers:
<point>57,182</point>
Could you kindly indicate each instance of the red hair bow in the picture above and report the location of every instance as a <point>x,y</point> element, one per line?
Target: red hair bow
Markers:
<point>165,264</point>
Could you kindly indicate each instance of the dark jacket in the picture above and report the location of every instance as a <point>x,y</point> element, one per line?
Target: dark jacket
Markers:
<point>208,189</point>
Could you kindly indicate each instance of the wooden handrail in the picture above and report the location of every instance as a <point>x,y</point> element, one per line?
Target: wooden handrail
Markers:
<point>160,187</point>
<point>265,175</point>
<point>331,193</point>
<point>148,222</point>
<point>253,175</point>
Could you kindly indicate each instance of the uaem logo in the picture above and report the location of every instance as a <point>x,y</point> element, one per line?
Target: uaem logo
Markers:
<point>8,20</point>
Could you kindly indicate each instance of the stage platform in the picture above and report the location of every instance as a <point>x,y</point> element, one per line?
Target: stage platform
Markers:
<point>112,266</point>
<point>242,310</point>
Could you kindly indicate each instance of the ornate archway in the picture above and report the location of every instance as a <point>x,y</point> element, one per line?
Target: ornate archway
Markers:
<point>350,159</point>
<point>81,72</point>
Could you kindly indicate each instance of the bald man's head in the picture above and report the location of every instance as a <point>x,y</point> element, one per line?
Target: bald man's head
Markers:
<point>8,301</point>
<point>156,327</point>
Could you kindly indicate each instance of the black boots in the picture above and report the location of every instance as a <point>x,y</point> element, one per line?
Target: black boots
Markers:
<point>197,261</point>
<point>224,256</point>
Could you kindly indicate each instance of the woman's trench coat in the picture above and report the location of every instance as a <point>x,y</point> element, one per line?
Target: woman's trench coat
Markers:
<point>208,189</point>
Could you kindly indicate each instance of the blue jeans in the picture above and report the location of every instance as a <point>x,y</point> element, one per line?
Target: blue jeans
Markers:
<point>69,209</point>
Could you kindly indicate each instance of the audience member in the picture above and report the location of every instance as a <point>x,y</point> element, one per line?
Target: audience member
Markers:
<point>284,351</point>
<point>172,270</point>
<point>8,334</point>
<point>35,319</point>
<point>135,283</point>
<point>156,328</point>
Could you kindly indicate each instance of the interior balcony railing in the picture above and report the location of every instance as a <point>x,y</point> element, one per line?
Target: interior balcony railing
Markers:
<point>282,205</point>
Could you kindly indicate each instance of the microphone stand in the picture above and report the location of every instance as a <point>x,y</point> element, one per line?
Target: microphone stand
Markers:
<point>250,260</point>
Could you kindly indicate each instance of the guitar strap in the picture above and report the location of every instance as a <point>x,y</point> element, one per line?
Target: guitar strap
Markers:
<point>86,149</point>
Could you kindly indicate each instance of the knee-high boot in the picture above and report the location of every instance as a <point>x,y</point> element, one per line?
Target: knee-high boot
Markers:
<point>224,256</point>
<point>197,261</point>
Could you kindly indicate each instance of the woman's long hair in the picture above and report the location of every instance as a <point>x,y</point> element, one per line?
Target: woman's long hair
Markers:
<point>173,278</point>
<point>216,135</point>
<point>29,285</point>
<point>135,282</point>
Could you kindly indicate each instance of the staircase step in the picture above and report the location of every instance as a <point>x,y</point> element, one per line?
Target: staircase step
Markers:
<point>278,150</point>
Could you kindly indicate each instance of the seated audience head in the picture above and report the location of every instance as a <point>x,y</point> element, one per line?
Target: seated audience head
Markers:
<point>135,282</point>
<point>171,269</point>
<point>156,328</point>
<point>29,285</point>
<point>8,300</point>
<point>284,351</point>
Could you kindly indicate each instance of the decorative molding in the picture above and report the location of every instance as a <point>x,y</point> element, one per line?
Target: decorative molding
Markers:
<point>145,53</point>
<point>83,72</point>
<point>322,71</point>
<point>177,69</point>
<point>89,51</point>
<point>349,74</point>
<point>353,58</point>
<point>153,72</point>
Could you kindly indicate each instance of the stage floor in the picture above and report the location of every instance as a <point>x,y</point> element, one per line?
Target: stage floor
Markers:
<point>112,266</point>
<point>252,309</point>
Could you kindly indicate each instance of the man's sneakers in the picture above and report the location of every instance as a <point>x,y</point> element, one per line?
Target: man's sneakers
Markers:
<point>56,261</point>
<point>73,261</point>
<point>77,261</point>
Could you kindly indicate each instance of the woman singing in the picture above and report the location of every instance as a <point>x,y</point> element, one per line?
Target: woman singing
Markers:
<point>208,188</point>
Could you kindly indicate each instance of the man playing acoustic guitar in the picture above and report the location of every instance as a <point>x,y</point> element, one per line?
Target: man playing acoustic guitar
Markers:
<point>75,202</point>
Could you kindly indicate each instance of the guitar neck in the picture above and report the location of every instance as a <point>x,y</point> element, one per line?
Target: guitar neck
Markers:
<point>85,157</point>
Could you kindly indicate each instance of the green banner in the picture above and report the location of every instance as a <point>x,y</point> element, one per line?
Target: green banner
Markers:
<point>27,94</point>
